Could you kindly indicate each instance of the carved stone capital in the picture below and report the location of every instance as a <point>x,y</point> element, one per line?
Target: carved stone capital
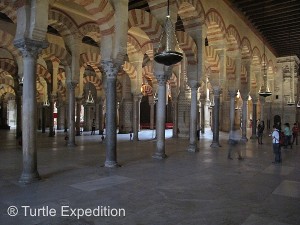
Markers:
<point>110,69</point>
<point>161,79</point>
<point>193,84</point>
<point>30,48</point>
<point>72,85</point>
<point>217,92</point>
<point>232,93</point>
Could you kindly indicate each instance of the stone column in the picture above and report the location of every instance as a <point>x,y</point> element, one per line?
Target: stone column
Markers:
<point>193,117</point>
<point>152,104</point>
<point>30,50</point>
<point>71,118</point>
<point>175,117</point>
<point>216,110</point>
<point>4,113</point>
<point>78,110</point>
<point>100,116</point>
<point>262,105</point>
<point>244,138</point>
<point>136,116</point>
<point>19,113</point>
<point>43,119</point>
<point>232,94</point>
<point>51,119</point>
<point>202,115</point>
<point>254,118</point>
<point>60,115</point>
<point>160,117</point>
<point>110,70</point>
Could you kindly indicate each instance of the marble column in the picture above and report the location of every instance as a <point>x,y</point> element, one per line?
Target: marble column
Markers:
<point>194,85</point>
<point>51,118</point>
<point>232,94</point>
<point>136,116</point>
<point>254,118</point>
<point>175,117</point>
<point>216,110</point>
<point>100,116</point>
<point>110,70</point>
<point>4,113</point>
<point>66,117</point>
<point>160,117</point>
<point>60,115</point>
<point>43,119</point>
<point>244,138</point>
<point>152,104</point>
<point>202,116</point>
<point>19,113</point>
<point>29,49</point>
<point>71,117</point>
<point>262,109</point>
<point>78,109</point>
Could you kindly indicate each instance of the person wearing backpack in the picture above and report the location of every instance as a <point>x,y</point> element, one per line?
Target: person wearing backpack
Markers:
<point>276,146</point>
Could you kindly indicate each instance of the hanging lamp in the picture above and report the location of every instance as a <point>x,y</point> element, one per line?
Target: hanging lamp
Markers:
<point>264,90</point>
<point>90,99</point>
<point>168,52</point>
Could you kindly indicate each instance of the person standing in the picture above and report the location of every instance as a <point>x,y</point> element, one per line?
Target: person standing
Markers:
<point>276,146</point>
<point>287,135</point>
<point>93,127</point>
<point>295,131</point>
<point>260,131</point>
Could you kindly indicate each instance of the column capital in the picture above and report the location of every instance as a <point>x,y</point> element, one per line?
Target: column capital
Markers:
<point>216,91</point>
<point>30,48</point>
<point>232,93</point>
<point>72,85</point>
<point>110,68</point>
<point>161,79</point>
<point>194,85</point>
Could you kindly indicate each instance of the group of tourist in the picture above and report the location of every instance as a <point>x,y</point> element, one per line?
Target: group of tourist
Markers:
<point>283,138</point>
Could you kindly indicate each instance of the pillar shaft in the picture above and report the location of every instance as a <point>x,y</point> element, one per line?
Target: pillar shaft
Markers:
<point>51,118</point>
<point>203,116</point>
<point>193,118</point>
<point>19,113</point>
<point>71,117</point>
<point>216,124</point>
<point>30,50</point>
<point>160,118</point>
<point>254,119</point>
<point>78,109</point>
<point>244,120</point>
<point>100,116</point>
<point>175,118</point>
<point>111,71</point>
<point>136,116</point>
<point>152,115</point>
<point>232,95</point>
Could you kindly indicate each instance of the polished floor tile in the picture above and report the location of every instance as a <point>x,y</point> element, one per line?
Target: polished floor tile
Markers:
<point>288,188</point>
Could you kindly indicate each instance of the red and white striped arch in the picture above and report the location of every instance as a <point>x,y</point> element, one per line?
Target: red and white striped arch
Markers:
<point>233,38</point>
<point>145,21</point>
<point>216,29</point>
<point>246,48</point>
<point>7,8</point>
<point>58,52</point>
<point>188,45</point>
<point>191,13</point>
<point>130,70</point>
<point>41,71</point>
<point>92,30</point>
<point>94,80</point>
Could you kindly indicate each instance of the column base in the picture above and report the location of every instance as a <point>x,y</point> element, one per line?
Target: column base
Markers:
<point>71,144</point>
<point>215,145</point>
<point>159,156</point>
<point>253,137</point>
<point>111,164</point>
<point>244,140</point>
<point>27,178</point>
<point>193,148</point>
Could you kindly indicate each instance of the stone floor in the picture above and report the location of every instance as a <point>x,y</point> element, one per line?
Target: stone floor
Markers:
<point>202,188</point>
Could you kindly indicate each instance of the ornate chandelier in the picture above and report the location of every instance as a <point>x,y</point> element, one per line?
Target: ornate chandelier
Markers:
<point>168,52</point>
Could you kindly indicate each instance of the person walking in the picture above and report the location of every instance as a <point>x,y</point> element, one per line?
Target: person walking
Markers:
<point>260,131</point>
<point>276,146</point>
<point>93,127</point>
<point>295,131</point>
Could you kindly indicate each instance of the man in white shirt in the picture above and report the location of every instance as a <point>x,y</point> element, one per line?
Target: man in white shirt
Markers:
<point>276,146</point>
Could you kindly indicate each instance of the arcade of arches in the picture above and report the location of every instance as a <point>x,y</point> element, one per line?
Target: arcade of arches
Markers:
<point>66,63</point>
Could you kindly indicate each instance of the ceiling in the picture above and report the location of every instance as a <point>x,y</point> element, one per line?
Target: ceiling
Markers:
<point>277,21</point>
